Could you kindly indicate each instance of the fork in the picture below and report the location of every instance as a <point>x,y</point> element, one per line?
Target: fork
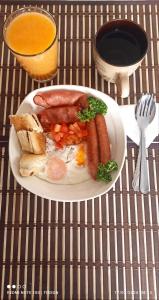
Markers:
<point>144,113</point>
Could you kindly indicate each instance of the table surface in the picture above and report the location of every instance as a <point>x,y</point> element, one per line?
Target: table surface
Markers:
<point>104,248</point>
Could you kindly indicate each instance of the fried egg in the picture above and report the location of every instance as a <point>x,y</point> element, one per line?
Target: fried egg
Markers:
<point>59,166</point>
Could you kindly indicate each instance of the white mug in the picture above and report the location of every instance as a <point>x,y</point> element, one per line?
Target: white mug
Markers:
<point>118,50</point>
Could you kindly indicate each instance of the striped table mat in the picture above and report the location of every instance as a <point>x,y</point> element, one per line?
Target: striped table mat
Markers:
<point>104,248</point>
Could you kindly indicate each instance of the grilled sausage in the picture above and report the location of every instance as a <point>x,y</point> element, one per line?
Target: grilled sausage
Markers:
<point>103,139</point>
<point>92,148</point>
<point>58,115</point>
<point>57,98</point>
<point>83,102</point>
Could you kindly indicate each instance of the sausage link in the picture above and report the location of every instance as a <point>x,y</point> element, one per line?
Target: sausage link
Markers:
<point>58,115</point>
<point>92,148</point>
<point>83,101</point>
<point>103,139</point>
<point>57,98</point>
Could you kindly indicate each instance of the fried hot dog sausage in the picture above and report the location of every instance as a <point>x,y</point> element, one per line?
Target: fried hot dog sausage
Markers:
<point>58,115</point>
<point>92,148</point>
<point>57,98</point>
<point>83,101</point>
<point>103,139</point>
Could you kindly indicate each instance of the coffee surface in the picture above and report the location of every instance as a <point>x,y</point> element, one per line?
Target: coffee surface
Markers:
<point>119,48</point>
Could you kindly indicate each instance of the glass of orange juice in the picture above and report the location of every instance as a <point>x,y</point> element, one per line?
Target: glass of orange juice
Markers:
<point>31,35</point>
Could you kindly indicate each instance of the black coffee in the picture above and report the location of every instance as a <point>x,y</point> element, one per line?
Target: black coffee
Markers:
<point>119,47</point>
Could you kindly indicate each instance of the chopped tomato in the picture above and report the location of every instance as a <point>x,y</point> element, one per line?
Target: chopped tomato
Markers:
<point>71,132</point>
<point>68,134</point>
<point>57,128</point>
<point>57,137</point>
<point>64,128</point>
<point>59,145</point>
<point>76,126</point>
<point>79,134</point>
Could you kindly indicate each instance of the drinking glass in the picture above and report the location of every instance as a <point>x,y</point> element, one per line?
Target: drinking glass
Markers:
<point>41,65</point>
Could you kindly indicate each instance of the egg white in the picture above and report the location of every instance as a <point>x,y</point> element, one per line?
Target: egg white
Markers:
<point>75,173</point>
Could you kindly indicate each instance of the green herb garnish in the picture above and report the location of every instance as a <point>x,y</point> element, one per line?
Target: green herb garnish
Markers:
<point>104,170</point>
<point>96,106</point>
<point>86,115</point>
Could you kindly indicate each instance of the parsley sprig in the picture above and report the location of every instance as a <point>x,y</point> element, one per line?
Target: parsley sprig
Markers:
<point>96,106</point>
<point>104,170</point>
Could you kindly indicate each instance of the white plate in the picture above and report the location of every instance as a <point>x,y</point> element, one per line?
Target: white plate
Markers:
<point>85,190</point>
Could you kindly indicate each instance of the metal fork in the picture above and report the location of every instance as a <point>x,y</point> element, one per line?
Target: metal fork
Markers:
<point>144,112</point>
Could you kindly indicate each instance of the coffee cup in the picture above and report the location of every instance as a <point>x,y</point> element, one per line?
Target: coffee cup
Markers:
<point>119,48</point>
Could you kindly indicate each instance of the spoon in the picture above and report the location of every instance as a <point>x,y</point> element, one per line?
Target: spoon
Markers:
<point>144,113</point>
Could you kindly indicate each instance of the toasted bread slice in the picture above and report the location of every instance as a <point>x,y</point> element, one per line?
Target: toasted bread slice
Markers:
<point>31,164</point>
<point>24,141</point>
<point>32,141</point>
<point>26,121</point>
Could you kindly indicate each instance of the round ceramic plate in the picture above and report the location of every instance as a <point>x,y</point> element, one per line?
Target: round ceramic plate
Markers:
<point>77,192</point>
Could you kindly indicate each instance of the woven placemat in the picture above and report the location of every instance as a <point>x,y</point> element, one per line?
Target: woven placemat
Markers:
<point>107,247</point>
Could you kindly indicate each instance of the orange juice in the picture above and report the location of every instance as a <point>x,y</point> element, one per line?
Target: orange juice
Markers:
<point>32,36</point>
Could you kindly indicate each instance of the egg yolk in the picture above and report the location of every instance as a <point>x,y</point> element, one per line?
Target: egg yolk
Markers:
<point>81,156</point>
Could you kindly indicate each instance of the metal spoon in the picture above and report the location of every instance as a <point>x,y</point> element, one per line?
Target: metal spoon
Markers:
<point>144,113</point>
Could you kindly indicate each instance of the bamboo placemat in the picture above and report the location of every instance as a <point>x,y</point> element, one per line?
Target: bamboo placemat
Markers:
<point>107,247</point>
